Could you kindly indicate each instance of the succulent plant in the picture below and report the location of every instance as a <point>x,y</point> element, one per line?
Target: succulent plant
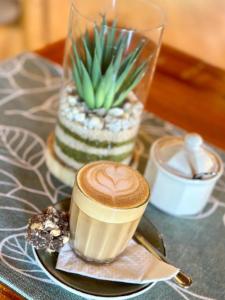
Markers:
<point>104,72</point>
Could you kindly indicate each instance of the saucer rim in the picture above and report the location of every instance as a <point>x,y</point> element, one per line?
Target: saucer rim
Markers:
<point>83,294</point>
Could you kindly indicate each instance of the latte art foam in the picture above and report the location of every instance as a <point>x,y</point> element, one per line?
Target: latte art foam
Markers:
<point>113,184</point>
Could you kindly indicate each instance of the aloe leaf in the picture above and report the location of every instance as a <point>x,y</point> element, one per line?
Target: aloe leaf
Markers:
<point>88,40</point>
<point>102,32</point>
<point>110,95</point>
<point>132,83</point>
<point>110,41</point>
<point>119,55</point>
<point>76,78</point>
<point>77,56</point>
<point>123,76</point>
<point>104,86</point>
<point>106,73</point>
<point>109,78</point>
<point>97,43</point>
<point>103,21</point>
<point>100,94</point>
<point>123,37</point>
<point>88,91</point>
<point>96,70</point>
<point>87,54</point>
<point>120,98</point>
<point>132,56</point>
<point>138,73</point>
<point>135,77</point>
<point>127,66</point>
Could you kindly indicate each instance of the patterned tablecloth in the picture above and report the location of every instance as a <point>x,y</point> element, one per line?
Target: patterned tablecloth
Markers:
<point>29,88</point>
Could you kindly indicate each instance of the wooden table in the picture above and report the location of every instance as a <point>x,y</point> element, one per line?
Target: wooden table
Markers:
<point>185,91</point>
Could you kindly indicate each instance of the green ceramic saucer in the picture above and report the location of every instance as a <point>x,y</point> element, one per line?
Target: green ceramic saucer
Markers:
<point>92,288</point>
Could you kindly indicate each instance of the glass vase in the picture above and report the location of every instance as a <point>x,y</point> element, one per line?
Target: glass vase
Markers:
<point>109,62</point>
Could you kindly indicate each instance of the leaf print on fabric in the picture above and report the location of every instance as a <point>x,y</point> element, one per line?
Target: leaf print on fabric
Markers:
<point>24,148</point>
<point>45,112</point>
<point>18,256</point>
<point>15,212</point>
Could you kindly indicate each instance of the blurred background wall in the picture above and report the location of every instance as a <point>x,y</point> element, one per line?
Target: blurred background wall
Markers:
<point>193,26</point>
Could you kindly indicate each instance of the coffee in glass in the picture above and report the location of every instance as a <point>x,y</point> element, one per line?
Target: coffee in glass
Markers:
<point>107,204</point>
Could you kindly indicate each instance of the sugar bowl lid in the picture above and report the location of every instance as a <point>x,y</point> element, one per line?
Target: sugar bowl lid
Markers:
<point>187,157</point>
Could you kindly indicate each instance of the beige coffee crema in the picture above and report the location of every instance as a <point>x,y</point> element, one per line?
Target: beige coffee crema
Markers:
<point>113,184</point>
<point>107,204</point>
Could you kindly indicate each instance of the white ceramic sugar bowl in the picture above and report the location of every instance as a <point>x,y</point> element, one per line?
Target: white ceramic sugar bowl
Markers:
<point>182,173</point>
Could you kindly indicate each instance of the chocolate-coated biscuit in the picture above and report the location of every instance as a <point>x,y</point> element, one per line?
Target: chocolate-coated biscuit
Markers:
<point>48,230</point>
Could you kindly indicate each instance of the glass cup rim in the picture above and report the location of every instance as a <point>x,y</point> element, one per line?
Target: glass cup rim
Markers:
<point>160,26</point>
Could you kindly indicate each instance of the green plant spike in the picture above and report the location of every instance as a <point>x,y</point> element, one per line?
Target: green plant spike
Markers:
<point>102,32</point>
<point>132,83</point>
<point>88,41</point>
<point>88,91</point>
<point>98,44</point>
<point>110,41</point>
<point>87,54</point>
<point>132,56</point>
<point>119,56</point>
<point>104,86</point>
<point>76,77</point>
<point>100,94</point>
<point>106,74</point>
<point>77,57</point>
<point>96,73</point>
<point>137,75</point>
<point>110,95</point>
<point>126,67</point>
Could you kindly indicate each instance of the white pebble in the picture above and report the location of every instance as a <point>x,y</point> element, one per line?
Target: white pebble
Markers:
<point>80,117</point>
<point>72,100</point>
<point>70,116</point>
<point>114,126</point>
<point>109,119</point>
<point>116,112</point>
<point>95,123</point>
<point>75,111</point>
<point>126,124</point>
<point>81,105</point>
<point>85,123</point>
<point>67,109</point>
<point>132,97</point>
<point>127,107</point>
<point>126,115</point>
<point>100,112</point>
<point>70,89</point>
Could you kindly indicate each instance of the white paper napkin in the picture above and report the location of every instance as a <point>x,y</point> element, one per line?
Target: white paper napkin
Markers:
<point>135,265</point>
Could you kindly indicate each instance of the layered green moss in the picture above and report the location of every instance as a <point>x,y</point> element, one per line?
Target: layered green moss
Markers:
<point>83,157</point>
<point>93,143</point>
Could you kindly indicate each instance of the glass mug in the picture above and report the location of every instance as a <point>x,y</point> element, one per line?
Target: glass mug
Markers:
<point>107,204</point>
